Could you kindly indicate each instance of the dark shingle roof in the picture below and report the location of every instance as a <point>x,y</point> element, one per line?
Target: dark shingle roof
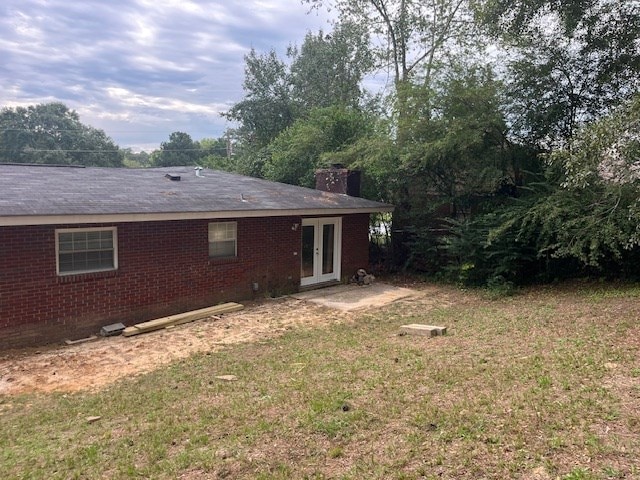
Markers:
<point>27,190</point>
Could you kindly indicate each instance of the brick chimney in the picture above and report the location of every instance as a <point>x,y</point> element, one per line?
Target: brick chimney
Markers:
<point>338,179</point>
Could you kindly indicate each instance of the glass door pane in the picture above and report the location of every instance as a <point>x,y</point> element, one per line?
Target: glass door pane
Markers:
<point>328,242</point>
<point>308,250</point>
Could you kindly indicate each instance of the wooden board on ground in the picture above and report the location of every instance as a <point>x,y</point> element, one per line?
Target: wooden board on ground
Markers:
<point>426,330</point>
<point>181,318</point>
<point>81,340</point>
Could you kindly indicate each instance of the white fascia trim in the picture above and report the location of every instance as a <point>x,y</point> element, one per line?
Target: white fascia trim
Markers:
<point>160,217</point>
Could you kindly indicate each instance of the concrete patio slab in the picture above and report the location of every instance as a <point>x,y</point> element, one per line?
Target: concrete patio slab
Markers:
<point>354,297</point>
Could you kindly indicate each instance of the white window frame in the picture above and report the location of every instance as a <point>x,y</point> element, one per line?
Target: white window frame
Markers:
<point>114,235</point>
<point>235,238</point>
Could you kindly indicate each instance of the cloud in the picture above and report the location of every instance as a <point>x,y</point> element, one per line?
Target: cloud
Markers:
<point>128,98</point>
<point>141,69</point>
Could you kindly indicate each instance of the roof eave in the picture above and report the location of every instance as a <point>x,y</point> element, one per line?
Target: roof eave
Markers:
<point>17,220</point>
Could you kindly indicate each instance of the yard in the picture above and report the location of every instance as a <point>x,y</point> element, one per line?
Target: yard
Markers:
<point>541,385</point>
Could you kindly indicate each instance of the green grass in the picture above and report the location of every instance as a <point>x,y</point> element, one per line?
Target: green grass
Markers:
<point>519,384</point>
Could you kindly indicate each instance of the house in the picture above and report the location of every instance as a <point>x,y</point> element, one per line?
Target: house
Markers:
<point>85,247</point>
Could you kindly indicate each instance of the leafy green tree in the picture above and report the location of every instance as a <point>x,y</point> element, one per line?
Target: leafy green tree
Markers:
<point>267,108</point>
<point>488,250</point>
<point>218,147</point>
<point>410,35</point>
<point>52,134</point>
<point>319,140</point>
<point>410,39</point>
<point>179,150</point>
<point>606,152</point>
<point>327,69</point>
<point>521,17</point>
<point>572,61</point>
<point>136,160</point>
<point>601,170</point>
<point>458,142</point>
<point>218,153</point>
<point>582,217</point>
<point>456,158</point>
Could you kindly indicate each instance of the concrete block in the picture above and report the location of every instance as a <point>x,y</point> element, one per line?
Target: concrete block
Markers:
<point>111,330</point>
<point>425,330</point>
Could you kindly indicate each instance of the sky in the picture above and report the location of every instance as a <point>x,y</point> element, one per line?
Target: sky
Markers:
<point>142,69</point>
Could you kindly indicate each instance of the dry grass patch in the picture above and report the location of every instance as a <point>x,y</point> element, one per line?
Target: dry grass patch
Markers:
<point>540,385</point>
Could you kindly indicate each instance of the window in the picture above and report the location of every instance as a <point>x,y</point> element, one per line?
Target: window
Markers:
<point>222,239</point>
<point>86,250</point>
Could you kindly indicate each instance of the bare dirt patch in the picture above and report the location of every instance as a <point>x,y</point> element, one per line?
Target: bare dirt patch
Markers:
<point>93,365</point>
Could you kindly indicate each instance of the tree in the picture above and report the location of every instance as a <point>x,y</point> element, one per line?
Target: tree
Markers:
<point>410,39</point>
<point>456,160</point>
<point>53,134</point>
<point>136,160</point>
<point>602,166</point>
<point>218,153</point>
<point>572,62</point>
<point>412,34</point>
<point>458,147</point>
<point>521,17</point>
<point>178,151</point>
<point>327,69</point>
<point>319,140</point>
<point>267,108</point>
<point>582,216</point>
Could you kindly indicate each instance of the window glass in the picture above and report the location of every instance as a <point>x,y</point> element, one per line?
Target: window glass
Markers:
<point>222,239</point>
<point>82,251</point>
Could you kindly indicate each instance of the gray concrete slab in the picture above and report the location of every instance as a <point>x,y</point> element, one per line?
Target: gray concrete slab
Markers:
<point>354,297</point>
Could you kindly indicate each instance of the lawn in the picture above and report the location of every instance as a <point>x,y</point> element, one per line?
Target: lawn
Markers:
<point>541,385</point>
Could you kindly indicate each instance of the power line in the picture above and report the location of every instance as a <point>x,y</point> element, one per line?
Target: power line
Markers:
<point>56,130</point>
<point>44,150</point>
<point>60,150</point>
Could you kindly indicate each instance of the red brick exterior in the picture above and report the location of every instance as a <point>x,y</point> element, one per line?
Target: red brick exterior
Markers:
<point>163,268</point>
<point>355,244</point>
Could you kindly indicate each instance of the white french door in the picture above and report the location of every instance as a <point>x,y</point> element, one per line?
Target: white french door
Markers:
<point>321,244</point>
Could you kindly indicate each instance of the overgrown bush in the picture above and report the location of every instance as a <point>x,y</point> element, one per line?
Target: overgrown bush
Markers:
<point>477,256</point>
<point>552,234</point>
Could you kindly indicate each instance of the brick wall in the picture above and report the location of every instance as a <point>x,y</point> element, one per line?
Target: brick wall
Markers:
<point>163,268</point>
<point>355,244</point>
